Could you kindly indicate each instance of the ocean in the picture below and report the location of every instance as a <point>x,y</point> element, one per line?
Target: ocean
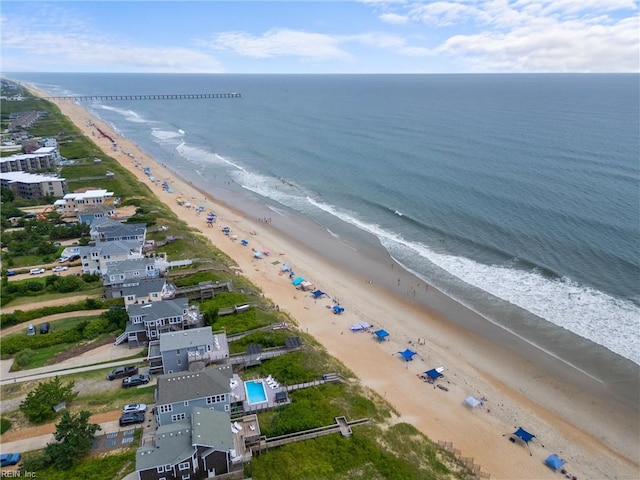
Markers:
<point>516,195</point>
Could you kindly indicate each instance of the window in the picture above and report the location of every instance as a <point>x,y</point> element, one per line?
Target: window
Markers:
<point>186,476</point>
<point>165,408</point>
<point>178,352</point>
<point>176,417</point>
<point>160,469</point>
<point>226,408</point>
<point>184,466</point>
<point>186,403</point>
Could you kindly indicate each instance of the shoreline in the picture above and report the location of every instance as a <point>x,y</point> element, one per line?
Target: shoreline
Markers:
<point>474,364</point>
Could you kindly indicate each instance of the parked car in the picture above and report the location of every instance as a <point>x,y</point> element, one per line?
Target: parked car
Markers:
<point>44,328</point>
<point>60,268</point>
<point>135,380</point>
<point>7,459</point>
<point>11,273</point>
<point>121,372</point>
<point>74,257</point>
<point>130,418</point>
<point>36,271</point>
<point>62,259</point>
<point>135,407</point>
<point>31,330</point>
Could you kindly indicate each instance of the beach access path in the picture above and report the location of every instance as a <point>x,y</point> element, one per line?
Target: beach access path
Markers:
<point>571,416</point>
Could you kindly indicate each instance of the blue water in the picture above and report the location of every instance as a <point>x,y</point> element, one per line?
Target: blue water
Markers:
<point>511,193</point>
<point>255,392</point>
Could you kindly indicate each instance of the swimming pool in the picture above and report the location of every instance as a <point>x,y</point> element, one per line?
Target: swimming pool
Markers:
<point>255,392</point>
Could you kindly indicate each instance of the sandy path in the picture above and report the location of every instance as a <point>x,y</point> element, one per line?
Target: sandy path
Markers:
<point>49,303</point>
<point>597,441</point>
<point>50,319</point>
<point>50,428</point>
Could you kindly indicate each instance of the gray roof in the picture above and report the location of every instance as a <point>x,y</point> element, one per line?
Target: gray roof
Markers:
<point>175,442</point>
<point>117,229</point>
<point>118,246</point>
<point>186,338</point>
<point>172,445</point>
<point>211,428</point>
<point>157,310</point>
<point>130,265</point>
<point>93,209</point>
<point>181,386</point>
<point>145,287</point>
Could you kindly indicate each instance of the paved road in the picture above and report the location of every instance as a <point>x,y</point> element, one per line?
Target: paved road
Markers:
<point>47,372</point>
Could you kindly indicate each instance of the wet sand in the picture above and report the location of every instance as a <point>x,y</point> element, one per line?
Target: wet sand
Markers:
<point>571,414</point>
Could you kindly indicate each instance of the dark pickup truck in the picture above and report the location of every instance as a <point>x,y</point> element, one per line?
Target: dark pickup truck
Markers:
<point>135,380</point>
<point>122,372</point>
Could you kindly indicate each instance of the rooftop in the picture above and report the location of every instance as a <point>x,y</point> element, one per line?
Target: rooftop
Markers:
<point>182,386</point>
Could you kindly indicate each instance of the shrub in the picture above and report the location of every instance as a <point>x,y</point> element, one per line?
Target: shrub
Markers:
<point>23,357</point>
<point>5,425</point>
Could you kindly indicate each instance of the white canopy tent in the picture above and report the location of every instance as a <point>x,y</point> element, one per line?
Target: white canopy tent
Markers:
<point>472,402</point>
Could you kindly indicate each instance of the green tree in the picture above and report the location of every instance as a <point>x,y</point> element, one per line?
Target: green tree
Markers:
<point>38,406</point>
<point>74,436</point>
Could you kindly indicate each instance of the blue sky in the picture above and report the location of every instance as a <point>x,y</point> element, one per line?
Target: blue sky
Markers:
<point>368,36</point>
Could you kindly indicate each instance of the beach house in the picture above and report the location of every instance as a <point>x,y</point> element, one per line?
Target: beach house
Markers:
<point>146,291</point>
<point>147,321</point>
<point>93,213</point>
<point>178,393</point>
<point>98,258</point>
<point>108,230</point>
<point>72,203</point>
<point>176,351</point>
<point>129,272</point>
<point>197,447</point>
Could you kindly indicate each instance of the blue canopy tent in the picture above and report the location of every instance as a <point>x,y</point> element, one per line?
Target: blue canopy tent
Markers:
<point>525,436</point>
<point>244,242</point>
<point>408,354</point>
<point>337,309</point>
<point>297,281</point>
<point>317,293</point>
<point>434,374</point>
<point>381,334</point>
<point>554,461</point>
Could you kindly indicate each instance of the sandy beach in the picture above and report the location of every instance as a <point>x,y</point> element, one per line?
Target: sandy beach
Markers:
<point>571,414</point>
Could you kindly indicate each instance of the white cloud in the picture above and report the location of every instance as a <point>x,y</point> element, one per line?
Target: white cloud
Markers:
<point>530,35</point>
<point>74,44</point>
<point>280,42</point>
<point>393,18</point>
<point>565,47</point>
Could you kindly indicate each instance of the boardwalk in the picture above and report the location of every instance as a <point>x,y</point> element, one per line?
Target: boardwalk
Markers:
<point>341,426</point>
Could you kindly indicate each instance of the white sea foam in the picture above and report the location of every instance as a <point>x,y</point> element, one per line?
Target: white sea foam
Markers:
<point>165,134</point>
<point>597,316</point>
<point>128,115</point>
